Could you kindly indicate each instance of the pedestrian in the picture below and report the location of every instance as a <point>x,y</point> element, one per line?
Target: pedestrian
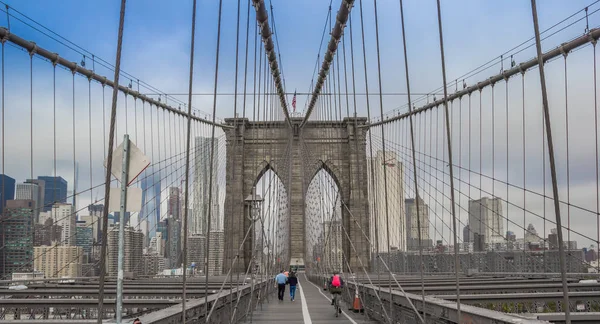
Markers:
<point>137,321</point>
<point>293,281</point>
<point>281,280</point>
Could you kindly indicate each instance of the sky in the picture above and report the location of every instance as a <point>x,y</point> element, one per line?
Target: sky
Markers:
<point>156,51</point>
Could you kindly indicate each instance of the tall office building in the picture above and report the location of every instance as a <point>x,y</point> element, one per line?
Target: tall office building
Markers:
<point>55,191</point>
<point>117,218</point>
<point>46,233</point>
<point>202,207</point>
<point>133,251</point>
<point>215,253</point>
<point>58,261</point>
<point>84,239</point>
<point>7,190</point>
<point>413,227</point>
<point>174,203</point>
<point>485,222</point>
<point>32,189</point>
<point>16,237</point>
<point>332,246</point>
<point>150,211</point>
<point>531,235</point>
<point>64,216</point>
<point>174,243</point>
<point>467,235</point>
<point>388,176</point>
<point>94,220</point>
<point>195,250</point>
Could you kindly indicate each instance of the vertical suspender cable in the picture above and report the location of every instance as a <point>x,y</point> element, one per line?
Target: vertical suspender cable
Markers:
<point>212,151</point>
<point>3,131</point>
<point>237,43</point>
<point>187,168</point>
<point>385,187</point>
<point>31,53</point>
<point>596,149</point>
<point>414,161</point>
<point>109,162</point>
<point>561,248</point>
<point>450,165</point>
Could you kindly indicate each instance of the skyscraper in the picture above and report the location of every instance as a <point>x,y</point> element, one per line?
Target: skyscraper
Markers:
<point>150,201</point>
<point>64,216</point>
<point>7,190</point>
<point>84,239</point>
<point>202,184</point>
<point>133,250</point>
<point>46,233</point>
<point>195,250</point>
<point>58,261</point>
<point>485,222</point>
<point>215,253</point>
<point>412,225</point>
<point>32,189</point>
<point>174,203</point>
<point>55,191</point>
<point>16,237</point>
<point>174,243</point>
<point>388,176</point>
<point>95,221</point>
<point>332,246</point>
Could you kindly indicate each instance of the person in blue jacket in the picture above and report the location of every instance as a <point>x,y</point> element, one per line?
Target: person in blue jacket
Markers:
<point>293,281</point>
<point>281,280</point>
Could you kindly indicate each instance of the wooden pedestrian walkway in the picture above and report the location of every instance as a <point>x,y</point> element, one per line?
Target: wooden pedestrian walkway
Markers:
<point>311,305</point>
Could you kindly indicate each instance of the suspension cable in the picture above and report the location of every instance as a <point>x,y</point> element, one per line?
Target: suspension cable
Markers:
<point>111,137</point>
<point>547,122</point>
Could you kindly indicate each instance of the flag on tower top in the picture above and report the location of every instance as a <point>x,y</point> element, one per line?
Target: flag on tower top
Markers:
<point>294,101</point>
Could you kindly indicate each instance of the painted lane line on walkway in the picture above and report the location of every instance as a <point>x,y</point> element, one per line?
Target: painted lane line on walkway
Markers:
<point>305,313</point>
<point>329,299</point>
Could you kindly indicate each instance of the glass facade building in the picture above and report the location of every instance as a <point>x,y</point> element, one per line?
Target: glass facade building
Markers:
<point>55,191</point>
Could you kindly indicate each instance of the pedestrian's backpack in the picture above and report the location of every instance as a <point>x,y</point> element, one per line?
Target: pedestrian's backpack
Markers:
<point>336,281</point>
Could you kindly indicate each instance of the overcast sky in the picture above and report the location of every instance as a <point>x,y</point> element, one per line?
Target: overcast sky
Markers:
<point>156,51</point>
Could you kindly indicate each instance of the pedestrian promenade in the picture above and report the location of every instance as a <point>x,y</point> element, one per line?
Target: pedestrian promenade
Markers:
<point>312,305</point>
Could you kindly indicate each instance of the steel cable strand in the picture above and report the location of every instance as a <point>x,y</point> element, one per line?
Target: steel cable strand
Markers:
<point>412,139</point>
<point>552,161</point>
<point>187,166</point>
<point>212,150</point>
<point>109,159</point>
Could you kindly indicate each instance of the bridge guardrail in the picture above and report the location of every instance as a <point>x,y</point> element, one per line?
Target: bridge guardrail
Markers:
<point>195,309</point>
<point>438,311</point>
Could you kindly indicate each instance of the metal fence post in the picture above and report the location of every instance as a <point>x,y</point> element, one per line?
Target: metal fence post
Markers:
<point>124,175</point>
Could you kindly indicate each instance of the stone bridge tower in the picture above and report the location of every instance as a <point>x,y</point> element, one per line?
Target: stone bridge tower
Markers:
<point>296,156</point>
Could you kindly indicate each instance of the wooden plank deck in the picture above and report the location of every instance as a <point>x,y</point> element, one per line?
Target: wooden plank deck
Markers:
<point>311,305</point>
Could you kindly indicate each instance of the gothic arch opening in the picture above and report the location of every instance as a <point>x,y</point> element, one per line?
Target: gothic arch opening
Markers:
<point>267,209</point>
<point>323,218</point>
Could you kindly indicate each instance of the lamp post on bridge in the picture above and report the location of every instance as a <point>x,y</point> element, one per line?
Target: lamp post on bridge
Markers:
<point>253,207</point>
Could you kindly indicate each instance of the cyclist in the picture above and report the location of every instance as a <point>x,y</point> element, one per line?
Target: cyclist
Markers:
<point>335,287</point>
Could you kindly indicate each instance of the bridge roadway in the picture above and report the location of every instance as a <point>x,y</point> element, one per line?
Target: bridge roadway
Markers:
<point>312,305</point>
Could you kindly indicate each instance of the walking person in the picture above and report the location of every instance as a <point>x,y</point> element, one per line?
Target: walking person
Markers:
<point>293,281</point>
<point>281,280</point>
